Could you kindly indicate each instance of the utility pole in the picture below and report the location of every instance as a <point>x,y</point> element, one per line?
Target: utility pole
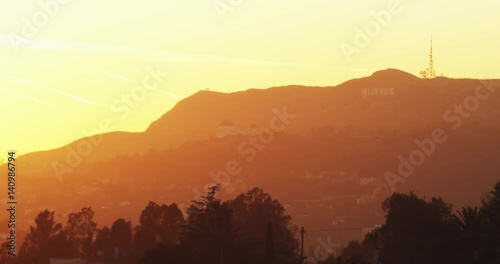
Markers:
<point>302,245</point>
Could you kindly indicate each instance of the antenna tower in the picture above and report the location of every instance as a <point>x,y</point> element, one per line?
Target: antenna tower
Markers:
<point>430,72</point>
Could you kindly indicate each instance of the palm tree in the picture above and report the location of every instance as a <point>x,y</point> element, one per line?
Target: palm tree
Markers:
<point>471,222</point>
<point>491,208</point>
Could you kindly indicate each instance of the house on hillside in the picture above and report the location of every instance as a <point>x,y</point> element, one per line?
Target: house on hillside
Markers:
<point>228,128</point>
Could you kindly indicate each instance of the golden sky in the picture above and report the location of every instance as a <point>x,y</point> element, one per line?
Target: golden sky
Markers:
<point>68,64</point>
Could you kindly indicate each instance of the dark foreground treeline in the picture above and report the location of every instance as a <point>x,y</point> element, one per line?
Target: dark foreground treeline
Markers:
<point>417,230</point>
<point>254,228</point>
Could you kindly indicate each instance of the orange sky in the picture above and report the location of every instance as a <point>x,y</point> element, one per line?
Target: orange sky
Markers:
<point>67,65</point>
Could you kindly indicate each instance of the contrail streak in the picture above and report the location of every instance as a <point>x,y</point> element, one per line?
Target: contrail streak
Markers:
<point>25,97</point>
<point>155,55</point>
<point>114,75</point>
<point>53,90</point>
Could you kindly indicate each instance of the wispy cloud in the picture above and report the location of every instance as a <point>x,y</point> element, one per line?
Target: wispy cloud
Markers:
<point>53,90</point>
<point>120,77</point>
<point>149,54</point>
<point>25,97</point>
<point>116,76</point>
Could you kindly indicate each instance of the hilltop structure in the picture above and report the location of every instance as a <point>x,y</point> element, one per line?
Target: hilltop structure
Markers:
<point>429,73</point>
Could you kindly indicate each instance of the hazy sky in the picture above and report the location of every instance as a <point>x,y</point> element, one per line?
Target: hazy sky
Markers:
<point>68,64</point>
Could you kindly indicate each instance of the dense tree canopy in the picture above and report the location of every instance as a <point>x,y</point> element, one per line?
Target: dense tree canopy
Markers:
<point>418,230</point>
<point>254,228</point>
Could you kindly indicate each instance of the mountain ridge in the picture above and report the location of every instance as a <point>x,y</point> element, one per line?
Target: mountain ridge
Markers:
<point>198,116</point>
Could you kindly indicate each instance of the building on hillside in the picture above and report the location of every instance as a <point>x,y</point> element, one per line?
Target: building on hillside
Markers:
<point>228,128</point>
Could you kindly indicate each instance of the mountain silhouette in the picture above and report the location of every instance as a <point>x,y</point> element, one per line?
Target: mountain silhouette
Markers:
<point>333,154</point>
<point>415,103</point>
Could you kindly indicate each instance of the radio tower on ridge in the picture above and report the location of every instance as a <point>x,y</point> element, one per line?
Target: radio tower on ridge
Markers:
<point>429,73</point>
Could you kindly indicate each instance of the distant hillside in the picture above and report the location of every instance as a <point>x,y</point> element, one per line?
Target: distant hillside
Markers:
<point>326,179</point>
<point>327,166</point>
<point>415,103</point>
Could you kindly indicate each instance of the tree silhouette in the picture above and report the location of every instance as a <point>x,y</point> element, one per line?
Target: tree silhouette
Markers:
<point>144,240</point>
<point>361,250</point>
<point>163,221</point>
<point>252,212</point>
<point>210,233</point>
<point>121,235</point>
<point>416,230</point>
<point>158,224</point>
<point>471,222</point>
<point>209,229</point>
<point>491,210</point>
<point>270,258</point>
<point>80,230</point>
<point>102,244</point>
<point>46,239</point>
